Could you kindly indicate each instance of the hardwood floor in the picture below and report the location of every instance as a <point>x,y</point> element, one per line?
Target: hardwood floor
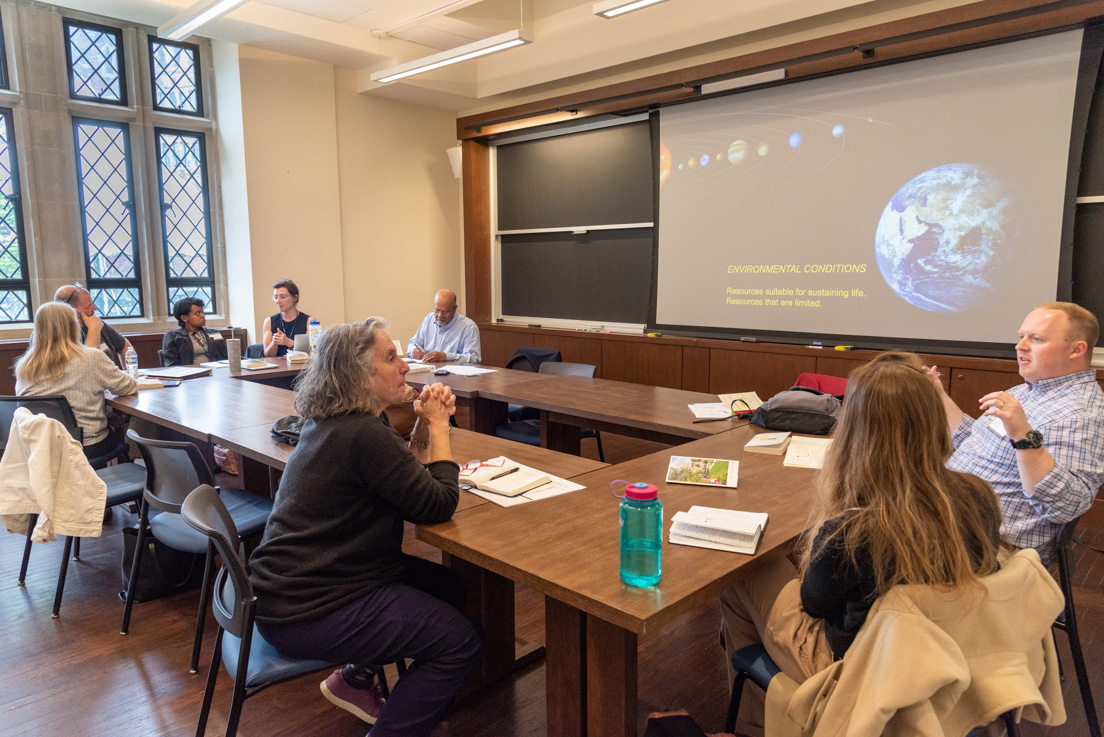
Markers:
<point>76,675</point>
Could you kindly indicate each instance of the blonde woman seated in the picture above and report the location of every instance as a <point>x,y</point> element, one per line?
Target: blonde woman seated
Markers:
<point>888,512</point>
<point>57,363</point>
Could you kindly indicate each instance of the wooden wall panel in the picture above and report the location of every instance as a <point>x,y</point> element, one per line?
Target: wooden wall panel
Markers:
<point>477,231</point>
<point>970,385</point>
<point>760,372</point>
<point>10,351</point>
<point>695,369</point>
<point>499,345</point>
<point>574,349</point>
<point>837,365</point>
<point>642,363</point>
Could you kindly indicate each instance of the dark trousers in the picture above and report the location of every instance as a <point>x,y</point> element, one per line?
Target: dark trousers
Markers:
<point>418,618</point>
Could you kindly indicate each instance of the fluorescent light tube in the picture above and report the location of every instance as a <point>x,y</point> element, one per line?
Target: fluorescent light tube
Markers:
<point>189,21</point>
<point>614,8</point>
<point>452,56</point>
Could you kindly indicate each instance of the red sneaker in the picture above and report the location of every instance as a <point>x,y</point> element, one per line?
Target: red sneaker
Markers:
<point>366,704</point>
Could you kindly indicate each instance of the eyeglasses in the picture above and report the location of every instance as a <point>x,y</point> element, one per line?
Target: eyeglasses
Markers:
<point>75,294</point>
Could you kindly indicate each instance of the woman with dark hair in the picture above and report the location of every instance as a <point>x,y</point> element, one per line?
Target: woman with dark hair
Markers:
<point>193,342</point>
<point>332,581</point>
<point>888,512</point>
<point>57,363</point>
<point>279,330</point>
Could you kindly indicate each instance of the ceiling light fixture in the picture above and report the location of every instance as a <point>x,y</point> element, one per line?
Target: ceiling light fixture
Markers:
<point>189,21</point>
<point>452,56</point>
<point>614,8</point>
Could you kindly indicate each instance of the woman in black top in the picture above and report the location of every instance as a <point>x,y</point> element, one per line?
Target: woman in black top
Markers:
<point>331,579</point>
<point>888,512</point>
<point>279,330</point>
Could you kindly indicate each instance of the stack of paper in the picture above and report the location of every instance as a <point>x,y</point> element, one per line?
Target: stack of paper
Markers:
<point>741,401</point>
<point>807,452</point>
<point>769,443</point>
<point>718,529</point>
<point>297,357</point>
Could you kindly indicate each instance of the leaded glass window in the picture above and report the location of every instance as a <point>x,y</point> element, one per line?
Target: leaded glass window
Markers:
<point>108,222</point>
<point>94,55</point>
<point>15,291</point>
<point>185,215</point>
<point>174,71</point>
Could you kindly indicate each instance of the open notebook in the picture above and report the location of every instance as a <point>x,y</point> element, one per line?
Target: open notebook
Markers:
<point>502,476</point>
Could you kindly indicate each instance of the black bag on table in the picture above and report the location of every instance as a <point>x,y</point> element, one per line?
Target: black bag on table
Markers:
<point>799,409</point>
<point>164,570</point>
<point>287,429</point>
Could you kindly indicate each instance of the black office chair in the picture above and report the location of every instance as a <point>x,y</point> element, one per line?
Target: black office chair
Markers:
<point>754,664</point>
<point>124,481</point>
<point>173,469</point>
<point>529,431</point>
<point>160,357</point>
<point>528,358</point>
<point>1067,622</point>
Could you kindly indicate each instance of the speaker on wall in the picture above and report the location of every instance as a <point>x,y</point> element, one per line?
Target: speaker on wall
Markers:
<point>456,159</point>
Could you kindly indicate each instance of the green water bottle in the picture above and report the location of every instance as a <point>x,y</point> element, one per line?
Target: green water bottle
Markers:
<point>641,534</point>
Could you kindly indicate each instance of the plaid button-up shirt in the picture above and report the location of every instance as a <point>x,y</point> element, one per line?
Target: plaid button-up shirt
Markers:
<point>1069,412</point>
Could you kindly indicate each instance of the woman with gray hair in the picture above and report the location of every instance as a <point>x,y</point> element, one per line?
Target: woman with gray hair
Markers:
<point>332,581</point>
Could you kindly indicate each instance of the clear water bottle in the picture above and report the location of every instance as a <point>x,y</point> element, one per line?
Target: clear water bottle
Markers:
<point>641,534</point>
<point>130,358</point>
<point>314,329</point>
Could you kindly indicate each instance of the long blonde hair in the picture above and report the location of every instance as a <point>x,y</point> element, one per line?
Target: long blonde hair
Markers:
<point>886,474</point>
<point>54,343</point>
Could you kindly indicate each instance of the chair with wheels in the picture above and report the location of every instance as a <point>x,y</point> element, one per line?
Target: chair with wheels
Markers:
<point>124,481</point>
<point>173,469</point>
<point>252,662</point>
<point>834,385</point>
<point>529,431</point>
<point>1067,622</point>
<point>528,358</point>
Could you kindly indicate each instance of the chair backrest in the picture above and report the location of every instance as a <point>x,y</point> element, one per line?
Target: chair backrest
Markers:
<point>173,469</point>
<point>567,369</point>
<point>531,358</point>
<point>54,407</point>
<point>254,350</point>
<point>161,357</point>
<point>233,600</point>
<point>834,385</point>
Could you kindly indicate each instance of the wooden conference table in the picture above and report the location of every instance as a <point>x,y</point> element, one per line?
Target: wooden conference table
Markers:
<point>566,547</point>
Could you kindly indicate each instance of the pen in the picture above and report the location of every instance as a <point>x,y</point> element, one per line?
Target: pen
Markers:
<point>505,473</point>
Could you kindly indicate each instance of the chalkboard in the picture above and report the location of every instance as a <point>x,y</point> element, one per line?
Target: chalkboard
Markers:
<point>603,276</point>
<point>592,177</point>
<point>598,177</point>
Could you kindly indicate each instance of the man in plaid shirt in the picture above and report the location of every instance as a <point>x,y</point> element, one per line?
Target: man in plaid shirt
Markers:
<point>1040,444</point>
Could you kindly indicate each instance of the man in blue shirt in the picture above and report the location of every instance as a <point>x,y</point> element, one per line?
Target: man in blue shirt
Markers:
<point>445,335</point>
<point>1040,444</point>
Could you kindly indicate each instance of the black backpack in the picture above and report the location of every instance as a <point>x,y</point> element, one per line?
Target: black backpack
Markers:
<point>799,409</point>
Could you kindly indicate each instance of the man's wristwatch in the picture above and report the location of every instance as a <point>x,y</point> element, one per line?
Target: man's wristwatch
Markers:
<point>1034,439</point>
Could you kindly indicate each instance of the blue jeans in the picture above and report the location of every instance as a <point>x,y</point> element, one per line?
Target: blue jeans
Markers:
<point>416,618</point>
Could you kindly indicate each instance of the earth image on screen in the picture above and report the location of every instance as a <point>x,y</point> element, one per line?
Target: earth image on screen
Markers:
<point>942,238</point>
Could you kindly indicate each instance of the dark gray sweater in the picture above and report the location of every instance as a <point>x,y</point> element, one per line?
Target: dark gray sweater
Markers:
<point>335,533</point>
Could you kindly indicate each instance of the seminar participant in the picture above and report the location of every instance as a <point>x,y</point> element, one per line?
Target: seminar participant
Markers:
<point>331,578</point>
<point>94,332</point>
<point>888,511</point>
<point>445,335</point>
<point>192,343</point>
<point>279,330</point>
<point>57,363</point>
<point>1040,444</point>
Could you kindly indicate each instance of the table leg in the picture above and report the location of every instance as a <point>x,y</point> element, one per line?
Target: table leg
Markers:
<point>490,606</point>
<point>557,436</point>
<point>565,630</point>
<point>484,415</point>
<point>611,679</point>
<point>257,476</point>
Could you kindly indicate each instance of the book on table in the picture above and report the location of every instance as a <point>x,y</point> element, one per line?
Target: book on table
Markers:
<point>177,372</point>
<point>502,476</point>
<point>807,452</point>
<point>703,471</point>
<point>297,356</point>
<point>769,443</point>
<point>718,529</point>
<point>148,382</point>
<point>419,368</point>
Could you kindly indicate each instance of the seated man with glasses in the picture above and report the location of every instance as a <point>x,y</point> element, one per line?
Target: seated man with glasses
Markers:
<point>95,333</point>
<point>445,335</point>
